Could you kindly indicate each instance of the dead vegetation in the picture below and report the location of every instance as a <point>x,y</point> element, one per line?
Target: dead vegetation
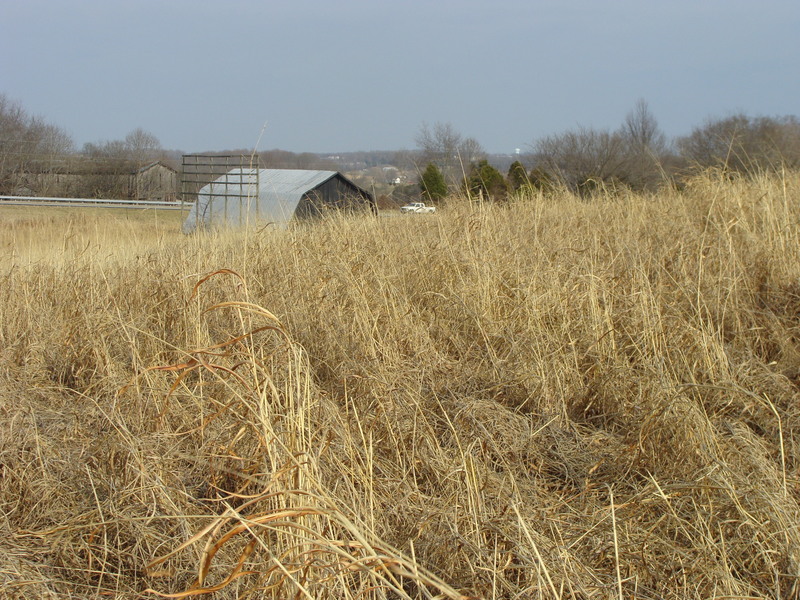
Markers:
<point>553,398</point>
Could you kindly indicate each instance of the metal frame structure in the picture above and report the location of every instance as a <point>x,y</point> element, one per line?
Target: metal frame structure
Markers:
<point>200,170</point>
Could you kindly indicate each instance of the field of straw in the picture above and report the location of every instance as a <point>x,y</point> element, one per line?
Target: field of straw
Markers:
<point>552,398</point>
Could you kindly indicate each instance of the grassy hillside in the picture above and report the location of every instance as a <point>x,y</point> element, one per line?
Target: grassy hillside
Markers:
<point>553,398</point>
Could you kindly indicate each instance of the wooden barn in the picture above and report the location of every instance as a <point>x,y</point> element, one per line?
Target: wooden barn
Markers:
<point>155,181</point>
<point>276,196</point>
<point>88,178</point>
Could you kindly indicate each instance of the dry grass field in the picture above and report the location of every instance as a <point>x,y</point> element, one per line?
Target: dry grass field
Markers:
<point>554,398</point>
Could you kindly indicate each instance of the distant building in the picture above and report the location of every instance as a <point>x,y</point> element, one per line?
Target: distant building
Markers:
<point>276,196</point>
<point>82,177</point>
<point>155,181</point>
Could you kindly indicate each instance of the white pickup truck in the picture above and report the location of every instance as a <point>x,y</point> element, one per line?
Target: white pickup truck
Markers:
<point>417,207</point>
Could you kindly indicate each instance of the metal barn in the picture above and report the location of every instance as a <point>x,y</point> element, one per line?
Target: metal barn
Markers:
<point>278,196</point>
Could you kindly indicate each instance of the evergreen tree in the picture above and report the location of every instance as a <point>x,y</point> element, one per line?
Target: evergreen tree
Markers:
<point>517,177</point>
<point>485,182</point>
<point>432,184</point>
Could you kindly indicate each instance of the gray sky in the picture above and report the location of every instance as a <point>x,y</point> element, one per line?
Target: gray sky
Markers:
<point>346,75</point>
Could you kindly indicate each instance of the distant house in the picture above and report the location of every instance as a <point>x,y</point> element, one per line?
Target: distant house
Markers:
<point>155,181</point>
<point>275,196</point>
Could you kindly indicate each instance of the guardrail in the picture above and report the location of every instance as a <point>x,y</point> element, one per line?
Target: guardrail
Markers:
<point>93,202</point>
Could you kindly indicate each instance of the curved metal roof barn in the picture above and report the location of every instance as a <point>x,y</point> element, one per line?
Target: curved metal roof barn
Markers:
<point>243,196</point>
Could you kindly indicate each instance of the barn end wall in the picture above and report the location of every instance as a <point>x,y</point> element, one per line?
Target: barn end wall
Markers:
<point>335,194</point>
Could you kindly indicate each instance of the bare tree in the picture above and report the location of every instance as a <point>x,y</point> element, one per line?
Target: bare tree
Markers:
<point>111,165</point>
<point>13,145</point>
<point>633,156</point>
<point>645,148</point>
<point>445,147</point>
<point>744,144</point>
<point>584,158</point>
<point>439,145</point>
<point>29,147</point>
<point>470,151</point>
<point>142,147</point>
<point>106,170</point>
<point>642,132</point>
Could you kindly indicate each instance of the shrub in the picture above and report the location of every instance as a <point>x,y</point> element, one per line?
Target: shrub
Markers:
<point>432,184</point>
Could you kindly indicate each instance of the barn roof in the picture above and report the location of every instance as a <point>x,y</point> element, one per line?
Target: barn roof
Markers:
<point>290,184</point>
<point>155,163</point>
<point>270,194</point>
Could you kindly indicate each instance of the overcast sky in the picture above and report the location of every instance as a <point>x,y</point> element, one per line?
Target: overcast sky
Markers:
<point>346,75</point>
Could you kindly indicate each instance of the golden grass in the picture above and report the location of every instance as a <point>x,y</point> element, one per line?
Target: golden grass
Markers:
<point>552,398</point>
<point>50,235</point>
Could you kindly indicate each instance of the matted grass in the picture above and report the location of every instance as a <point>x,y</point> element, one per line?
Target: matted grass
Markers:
<point>554,398</point>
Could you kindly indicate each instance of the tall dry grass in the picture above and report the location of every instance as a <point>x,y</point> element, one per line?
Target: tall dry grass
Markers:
<point>548,399</point>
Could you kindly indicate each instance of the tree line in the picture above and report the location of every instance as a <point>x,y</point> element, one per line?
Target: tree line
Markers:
<point>37,157</point>
<point>636,156</point>
<point>40,155</point>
